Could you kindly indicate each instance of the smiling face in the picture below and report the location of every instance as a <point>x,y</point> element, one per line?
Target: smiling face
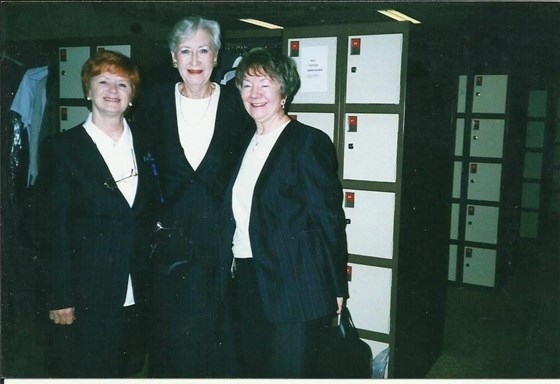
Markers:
<point>195,58</point>
<point>110,94</point>
<point>262,98</point>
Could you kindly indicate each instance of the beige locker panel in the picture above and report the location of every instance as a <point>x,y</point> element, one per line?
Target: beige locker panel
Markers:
<point>72,116</point>
<point>374,69</point>
<point>487,138</point>
<point>457,173</point>
<point>370,217</point>
<point>462,95</point>
<point>124,49</point>
<point>71,60</point>
<point>482,224</point>
<point>479,266</point>
<point>459,137</point>
<point>321,121</point>
<point>454,230</point>
<point>370,147</point>
<point>489,94</point>
<point>529,226</point>
<point>484,181</point>
<point>316,62</point>
<point>370,297</point>
<point>452,266</point>
<point>534,137</point>
<point>532,166</point>
<point>537,103</point>
<point>531,195</point>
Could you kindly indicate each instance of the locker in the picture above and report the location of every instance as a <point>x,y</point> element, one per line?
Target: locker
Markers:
<point>482,224</point>
<point>487,138</point>
<point>454,231</point>
<point>529,225</point>
<point>374,69</point>
<point>457,174</point>
<point>532,166</point>
<point>479,266</point>
<point>315,59</point>
<point>71,60</point>
<point>370,147</point>
<point>72,116</point>
<point>462,95</point>
<point>370,297</point>
<point>459,132</point>
<point>530,196</point>
<point>534,137</point>
<point>124,49</point>
<point>452,267</point>
<point>322,121</point>
<point>484,181</point>
<point>489,93</point>
<point>370,218</point>
<point>537,103</point>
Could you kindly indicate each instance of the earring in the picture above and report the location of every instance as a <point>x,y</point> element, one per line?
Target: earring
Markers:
<point>88,98</point>
<point>174,64</point>
<point>130,104</point>
<point>282,103</point>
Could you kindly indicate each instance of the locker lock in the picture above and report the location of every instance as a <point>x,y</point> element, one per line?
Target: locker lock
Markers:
<point>63,73</point>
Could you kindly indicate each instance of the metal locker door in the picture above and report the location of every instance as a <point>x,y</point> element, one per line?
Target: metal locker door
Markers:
<point>370,147</point>
<point>454,230</point>
<point>487,138</point>
<point>531,195</point>
<point>482,224</point>
<point>370,297</point>
<point>370,218</point>
<point>457,173</point>
<point>374,69</point>
<point>529,225</point>
<point>532,166</point>
<point>71,60</point>
<point>459,132</point>
<point>479,266</point>
<point>489,95</point>
<point>321,121</point>
<point>534,138</point>
<point>72,116</point>
<point>537,103</point>
<point>484,181</point>
<point>316,63</point>
<point>124,49</point>
<point>462,95</point>
<point>452,266</point>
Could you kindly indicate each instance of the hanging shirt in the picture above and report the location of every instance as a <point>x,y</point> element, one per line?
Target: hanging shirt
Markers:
<point>121,161</point>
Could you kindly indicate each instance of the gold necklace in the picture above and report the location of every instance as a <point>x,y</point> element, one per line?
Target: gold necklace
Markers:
<point>203,116</point>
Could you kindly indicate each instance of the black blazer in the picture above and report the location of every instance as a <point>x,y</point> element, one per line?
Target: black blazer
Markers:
<point>192,198</point>
<point>92,241</point>
<point>297,227</point>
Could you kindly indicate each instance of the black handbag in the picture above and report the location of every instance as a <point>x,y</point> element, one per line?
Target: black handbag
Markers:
<point>342,354</point>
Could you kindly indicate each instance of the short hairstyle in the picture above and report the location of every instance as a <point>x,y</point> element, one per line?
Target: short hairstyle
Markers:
<point>112,62</point>
<point>189,26</point>
<point>260,61</point>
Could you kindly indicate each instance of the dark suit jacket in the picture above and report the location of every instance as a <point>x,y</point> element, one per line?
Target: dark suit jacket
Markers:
<point>192,198</point>
<point>93,238</point>
<point>297,227</point>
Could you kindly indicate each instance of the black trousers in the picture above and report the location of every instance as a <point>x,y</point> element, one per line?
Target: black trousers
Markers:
<point>266,349</point>
<point>190,336</point>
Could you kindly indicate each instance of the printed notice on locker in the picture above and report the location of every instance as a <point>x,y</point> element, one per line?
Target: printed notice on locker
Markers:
<point>314,65</point>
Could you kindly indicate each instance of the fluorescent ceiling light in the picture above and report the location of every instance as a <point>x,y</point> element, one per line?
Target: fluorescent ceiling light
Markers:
<point>396,15</point>
<point>261,23</point>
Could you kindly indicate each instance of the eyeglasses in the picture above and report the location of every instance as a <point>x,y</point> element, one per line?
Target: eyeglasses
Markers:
<point>112,184</point>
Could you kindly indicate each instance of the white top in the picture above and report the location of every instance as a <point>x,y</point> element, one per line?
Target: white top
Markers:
<point>196,119</point>
<point>255,156</point>
<point>120,159</point>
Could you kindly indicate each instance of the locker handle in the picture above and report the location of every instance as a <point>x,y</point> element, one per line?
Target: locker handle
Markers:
<point>63,73</point>
<point>470,222</point>
<point>348,221</point>
<point>350,146</point>
<point>473,181</point>
<point>475,138</point>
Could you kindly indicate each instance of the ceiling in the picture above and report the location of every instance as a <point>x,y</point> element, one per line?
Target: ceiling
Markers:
<point>23,20</point>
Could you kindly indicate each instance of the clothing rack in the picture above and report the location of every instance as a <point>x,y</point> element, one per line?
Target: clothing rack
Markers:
<point>4,56</point>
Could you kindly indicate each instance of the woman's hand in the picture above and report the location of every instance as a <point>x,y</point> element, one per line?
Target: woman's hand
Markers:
<point>340,302</point>
<point>63,316</point>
